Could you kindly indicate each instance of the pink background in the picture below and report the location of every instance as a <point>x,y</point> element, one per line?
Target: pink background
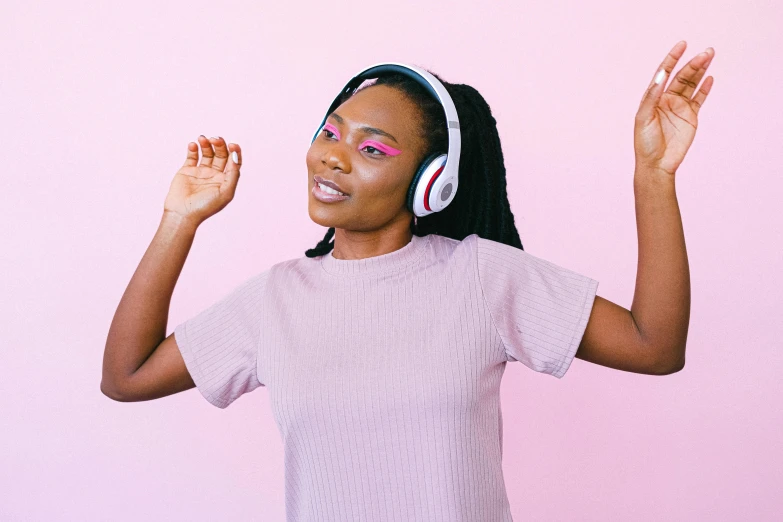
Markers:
<point>97,105</point>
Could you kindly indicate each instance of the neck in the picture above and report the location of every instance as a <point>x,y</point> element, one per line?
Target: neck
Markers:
<point>359,244</point>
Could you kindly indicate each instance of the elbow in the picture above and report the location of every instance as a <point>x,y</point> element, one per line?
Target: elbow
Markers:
<point>669,365</point>
<point>114,392</point>
<point>672,367</point>
<point>680,364</point>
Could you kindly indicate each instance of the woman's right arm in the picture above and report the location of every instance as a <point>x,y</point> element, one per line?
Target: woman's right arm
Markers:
<point>139,362</point>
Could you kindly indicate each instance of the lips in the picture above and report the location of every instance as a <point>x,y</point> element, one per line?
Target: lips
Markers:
<point>325,192</point>
<point>331,184</point>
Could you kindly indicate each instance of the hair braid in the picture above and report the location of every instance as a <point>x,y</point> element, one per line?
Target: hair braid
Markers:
<point>323,246</point>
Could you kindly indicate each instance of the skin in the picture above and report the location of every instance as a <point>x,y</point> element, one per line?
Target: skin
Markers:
<point>374,219</point>
<point>141,363</point>
<point>650,338</point>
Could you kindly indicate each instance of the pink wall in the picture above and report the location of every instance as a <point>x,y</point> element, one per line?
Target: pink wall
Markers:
<point>97,104</point>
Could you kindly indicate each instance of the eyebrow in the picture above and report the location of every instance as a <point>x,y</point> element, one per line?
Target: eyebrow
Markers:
<point>369,130</point>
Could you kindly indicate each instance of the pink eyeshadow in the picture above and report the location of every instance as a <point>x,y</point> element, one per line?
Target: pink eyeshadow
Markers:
<point>391,151</point>
<point>331,128</point>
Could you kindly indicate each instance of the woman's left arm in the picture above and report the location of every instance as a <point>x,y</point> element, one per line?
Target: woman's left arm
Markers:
<point>650,338</point>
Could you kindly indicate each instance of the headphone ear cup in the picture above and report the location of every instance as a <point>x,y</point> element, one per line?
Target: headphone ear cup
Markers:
<point>417,178</point>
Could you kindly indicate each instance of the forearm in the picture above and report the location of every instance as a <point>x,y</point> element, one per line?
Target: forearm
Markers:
<point>661,302</point>
<point>139,324</point>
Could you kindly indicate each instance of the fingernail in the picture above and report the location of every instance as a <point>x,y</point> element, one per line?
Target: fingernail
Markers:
<point>660,75</point>
<point>235,157</point>
<point>213,138</point>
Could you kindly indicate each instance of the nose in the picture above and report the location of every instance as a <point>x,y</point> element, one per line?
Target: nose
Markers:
<point>335,156</point>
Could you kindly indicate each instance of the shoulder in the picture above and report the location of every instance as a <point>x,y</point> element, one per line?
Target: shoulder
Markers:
<point>450,255</point>
<point>298,272</point>
<point>450,245</point>
<point>473,243</point>
<point>293,267</point>
<point>442,247</point>
<point>488,247</point>
<point>476,250</point>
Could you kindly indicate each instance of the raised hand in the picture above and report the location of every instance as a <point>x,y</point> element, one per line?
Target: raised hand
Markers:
<point>201,190</point>
<point>666,120</point>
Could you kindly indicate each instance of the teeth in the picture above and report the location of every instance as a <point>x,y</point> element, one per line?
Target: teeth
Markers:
<point>329,190</point>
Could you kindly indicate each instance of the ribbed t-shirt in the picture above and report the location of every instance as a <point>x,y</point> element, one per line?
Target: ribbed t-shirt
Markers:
<point>384,372</point>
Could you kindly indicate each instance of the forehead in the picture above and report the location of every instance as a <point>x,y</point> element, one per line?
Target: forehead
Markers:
<point>384,107</point>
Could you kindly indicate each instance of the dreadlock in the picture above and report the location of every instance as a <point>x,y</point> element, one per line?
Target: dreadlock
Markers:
<point>481,204</point>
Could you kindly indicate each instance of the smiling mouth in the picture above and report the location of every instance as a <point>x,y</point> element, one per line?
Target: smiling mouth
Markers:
<point>326,194</point>
<point>329,190</point>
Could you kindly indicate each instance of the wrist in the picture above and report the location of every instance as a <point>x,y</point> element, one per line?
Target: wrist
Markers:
<point>653,176</point>
<point>178,223</point>
<point>653,185</point>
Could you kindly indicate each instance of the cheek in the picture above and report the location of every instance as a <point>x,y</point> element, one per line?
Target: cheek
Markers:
<point>311,158</point>
<point>383,188</point>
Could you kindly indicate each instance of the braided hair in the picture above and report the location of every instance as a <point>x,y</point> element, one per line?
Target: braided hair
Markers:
<point>481,204</point>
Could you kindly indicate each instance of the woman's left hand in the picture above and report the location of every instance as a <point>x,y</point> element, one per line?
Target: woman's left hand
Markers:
<point>666,121</point>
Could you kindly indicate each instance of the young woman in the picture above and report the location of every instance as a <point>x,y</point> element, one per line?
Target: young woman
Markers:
<point>383,349</point>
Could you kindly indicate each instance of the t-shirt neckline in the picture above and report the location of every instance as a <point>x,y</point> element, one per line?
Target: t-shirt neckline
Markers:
<point>393,261</point>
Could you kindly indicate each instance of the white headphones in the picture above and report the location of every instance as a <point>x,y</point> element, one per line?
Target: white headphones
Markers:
<point>435,183</point>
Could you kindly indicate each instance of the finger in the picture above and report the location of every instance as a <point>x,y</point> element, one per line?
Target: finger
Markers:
<point>235,158</point>
<point>698,100</point>
<point>655,89</point>
<point>207,154</point>
<point>711,52</point>
<point>668,63</point>
<point>192,158</point>
<point>232,170</point>
<point>690,75</point>
<point>221,153</point>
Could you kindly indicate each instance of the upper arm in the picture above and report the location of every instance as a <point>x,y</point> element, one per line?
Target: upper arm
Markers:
<point>163,373</point>
<point>612,339</point>
<point>215,351</point>
<point>539,309</point>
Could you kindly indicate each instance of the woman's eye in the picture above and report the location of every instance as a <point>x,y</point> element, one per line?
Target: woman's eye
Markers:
<point>373,148</point>
<point>372,151</point>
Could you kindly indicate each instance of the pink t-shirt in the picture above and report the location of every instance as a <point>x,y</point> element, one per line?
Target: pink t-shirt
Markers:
<point>384,373</point>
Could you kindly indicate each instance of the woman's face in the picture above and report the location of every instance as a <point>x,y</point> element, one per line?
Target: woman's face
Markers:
<point>369,149</point>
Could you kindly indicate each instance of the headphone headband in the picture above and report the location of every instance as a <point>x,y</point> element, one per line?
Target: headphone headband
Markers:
<point>448,174</point>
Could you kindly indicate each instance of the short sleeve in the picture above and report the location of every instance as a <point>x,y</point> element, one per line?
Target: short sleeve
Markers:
<point>220,344</point>
<point>540,309</point>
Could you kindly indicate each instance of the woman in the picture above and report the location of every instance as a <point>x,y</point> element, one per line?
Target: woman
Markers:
<point>383,349</point>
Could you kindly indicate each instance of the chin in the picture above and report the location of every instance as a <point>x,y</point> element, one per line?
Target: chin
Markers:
<point>320,215</point>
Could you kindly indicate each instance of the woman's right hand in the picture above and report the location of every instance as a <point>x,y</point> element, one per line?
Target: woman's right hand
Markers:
<point>201,190</point>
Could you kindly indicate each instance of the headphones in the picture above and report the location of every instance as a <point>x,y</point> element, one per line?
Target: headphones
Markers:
<point>435,183</point>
